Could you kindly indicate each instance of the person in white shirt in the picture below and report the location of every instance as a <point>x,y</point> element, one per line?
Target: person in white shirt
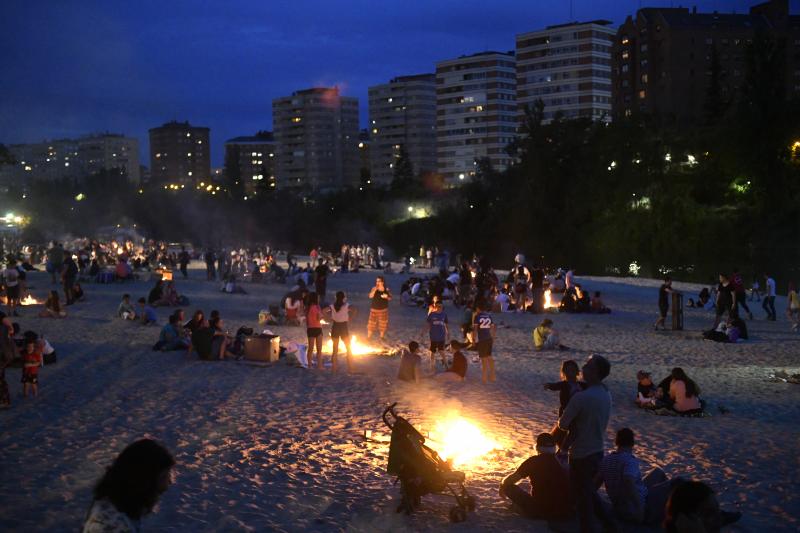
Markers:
<point>769,298</point>
<point>11,279</point>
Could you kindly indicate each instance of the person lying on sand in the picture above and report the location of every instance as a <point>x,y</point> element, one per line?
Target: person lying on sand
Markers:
<point>549,497</point>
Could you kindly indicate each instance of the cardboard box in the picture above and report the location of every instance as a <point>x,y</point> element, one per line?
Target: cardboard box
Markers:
<point>262,348</point>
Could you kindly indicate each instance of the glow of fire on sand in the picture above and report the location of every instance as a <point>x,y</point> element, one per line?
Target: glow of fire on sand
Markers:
<point>356,347</point>
<point>460,441</point>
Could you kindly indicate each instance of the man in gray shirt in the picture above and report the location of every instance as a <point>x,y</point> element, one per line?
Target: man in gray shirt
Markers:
<point>586,417</point>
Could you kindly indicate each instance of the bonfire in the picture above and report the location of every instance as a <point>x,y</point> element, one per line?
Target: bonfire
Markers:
<point>356,347</point>
<point>461,441</point>
<point>30,300</point>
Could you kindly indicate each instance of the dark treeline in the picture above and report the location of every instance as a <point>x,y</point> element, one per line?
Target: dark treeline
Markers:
<point>690,200</point>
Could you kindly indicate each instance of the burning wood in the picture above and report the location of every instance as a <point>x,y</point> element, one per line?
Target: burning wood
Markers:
<point>460,441</point>
<point>356,347</point>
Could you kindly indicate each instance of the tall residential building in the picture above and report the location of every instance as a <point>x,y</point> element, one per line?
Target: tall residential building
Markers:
<point>568,67</point>
<point>179,153</point>
<point>317,134</point>
<point>74,159</point>
<point>403,113</point>
<point>476,113</point>
<point>110,152</point>
<point>667,60</point>
<point>251,160</point>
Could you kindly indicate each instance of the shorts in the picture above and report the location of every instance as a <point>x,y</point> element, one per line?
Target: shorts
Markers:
<point>339,330</point>
<point>30,378</point>
<point>437,346</point>
<point>313,333</point>
<point>484,348</point>
<point>12,292</point>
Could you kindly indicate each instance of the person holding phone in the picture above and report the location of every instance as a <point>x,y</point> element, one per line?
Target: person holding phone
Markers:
<point>379,296</point>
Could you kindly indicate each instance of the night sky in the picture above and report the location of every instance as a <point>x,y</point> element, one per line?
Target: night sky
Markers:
<point>74,67</point>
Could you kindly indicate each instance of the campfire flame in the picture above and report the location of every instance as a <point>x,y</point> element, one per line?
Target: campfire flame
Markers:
<point>356,347</point>
<point>460,441</point>
<point>29,300</point>
<point>548,302</point>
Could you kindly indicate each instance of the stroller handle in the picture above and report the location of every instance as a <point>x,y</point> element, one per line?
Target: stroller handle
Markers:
<point>386,411</point>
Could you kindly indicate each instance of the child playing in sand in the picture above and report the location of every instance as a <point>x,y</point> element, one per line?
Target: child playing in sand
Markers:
<point>126,310</point>
<point>147,313</point>
<point>568,385</point>
<point>32,360</point>
<point>410,364</point>
<point>546,338</point>
<point>646,390</point>
<point>52,307</point>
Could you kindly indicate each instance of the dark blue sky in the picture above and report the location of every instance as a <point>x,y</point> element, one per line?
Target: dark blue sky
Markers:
<point>75,67</point>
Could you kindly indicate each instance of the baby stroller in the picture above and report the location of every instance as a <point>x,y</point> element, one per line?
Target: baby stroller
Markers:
<point>421,471</point>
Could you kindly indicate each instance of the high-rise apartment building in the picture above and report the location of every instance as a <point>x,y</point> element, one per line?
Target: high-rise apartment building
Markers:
<point>317,135</point>
<point>179,153</point>
<point>568,67</point>
<point>402,113</point>
<point>251,161</point>
<point>476,113</point>
<point>679,65</point>
<point>74,159</point>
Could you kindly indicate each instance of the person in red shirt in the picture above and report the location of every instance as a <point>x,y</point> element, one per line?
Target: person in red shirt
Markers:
<point>32,360</point>
<point>314,329</point>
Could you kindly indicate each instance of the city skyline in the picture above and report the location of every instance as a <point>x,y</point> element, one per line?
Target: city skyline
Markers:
<point>74,70</point>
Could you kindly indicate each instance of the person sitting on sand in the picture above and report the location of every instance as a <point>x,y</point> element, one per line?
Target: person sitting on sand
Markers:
<point>146,313</point>
<point>684,393</point>
<point>222,341</point>
<point>170,338</point>
<point>410,363</point>
<point>156,296</point>
<point>123,270</point>
<point>546,338</point>
<point>52,307</point>
<point>196,322</point>
<point>126,311</point>
<point>549,497</point>
<point>693,508</point>
<point>201,341</point>
<point>130,488</point>
<point>458,370</point>
<point>634,499</point>
<point>646,391</point>
<point>77,293</point>
<point>294,309</point>
<point>597,305</point>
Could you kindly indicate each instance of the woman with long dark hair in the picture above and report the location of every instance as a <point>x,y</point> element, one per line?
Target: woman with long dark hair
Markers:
<point>130,488</point>
<point>340,313</point>
<point>314,329</point>
<point>684,393</point>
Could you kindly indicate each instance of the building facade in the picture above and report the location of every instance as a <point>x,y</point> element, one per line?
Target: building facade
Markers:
<point>680,65</point>
<point>568,67</point>
<point>402,113</point>
<point>316,131</point>
<point>251,161</point>
<point>476,113</point>
<point>74,159</point>
<point>179,154</point>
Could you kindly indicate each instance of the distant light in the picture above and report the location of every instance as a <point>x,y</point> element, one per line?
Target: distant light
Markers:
<point>141,191</point>
<point>80,196</point>
<point>461,176</point>
<point>410,208</point>
<point>361,145</point>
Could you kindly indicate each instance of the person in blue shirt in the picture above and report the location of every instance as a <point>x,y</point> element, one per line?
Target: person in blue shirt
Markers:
<point>147,313</point>
<point>437,329</point>
<point>483,333</point>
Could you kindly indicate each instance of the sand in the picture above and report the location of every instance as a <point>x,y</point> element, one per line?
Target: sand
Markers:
<point>282,448</point>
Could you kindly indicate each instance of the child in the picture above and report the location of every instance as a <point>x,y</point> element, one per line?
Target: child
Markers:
<point>125,310</point>
<point>410,363</point>
<point>52,307</point>
<point>32,360</point>
<point>147,313</point>
<point>466,323</point>
<point>597,304</point>
<point>458,370</point>
<point>437,329</point>
<point>568,385</point>
<point>483,333</point>
<point>646,390</point>
<point>546,338</point>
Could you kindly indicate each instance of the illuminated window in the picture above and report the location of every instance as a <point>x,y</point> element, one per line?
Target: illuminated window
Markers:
<point>642,94</point>
<point>296,119</point>
<point>625,55</point>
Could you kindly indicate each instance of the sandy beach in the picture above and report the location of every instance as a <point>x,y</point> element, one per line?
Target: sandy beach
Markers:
<point>281,448</point>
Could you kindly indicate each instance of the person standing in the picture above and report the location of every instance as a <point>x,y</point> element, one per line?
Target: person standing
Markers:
<point>740,293</point>
<point>183,259</point>
<point>69,276</point>
<point>726,302</point>
<point>663,302</point>
<point>437,330</point>
<point>793,307</point>
<point>314,329</point>
<point>321,280</point>
<point>55,260</point>
<point>11,281</point>
<point>769,298</point>
<point>340,313</point>
<point>379,296</point>
<point>211,273</point>
<point>586,416</point>
<point>483,333</point>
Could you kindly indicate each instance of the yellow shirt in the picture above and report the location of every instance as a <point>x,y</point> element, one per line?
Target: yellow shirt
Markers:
<point>539,336</point>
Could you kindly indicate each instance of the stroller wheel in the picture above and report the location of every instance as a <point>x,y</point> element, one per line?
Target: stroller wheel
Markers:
<point>457,514</point>
<point>469,501</point>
